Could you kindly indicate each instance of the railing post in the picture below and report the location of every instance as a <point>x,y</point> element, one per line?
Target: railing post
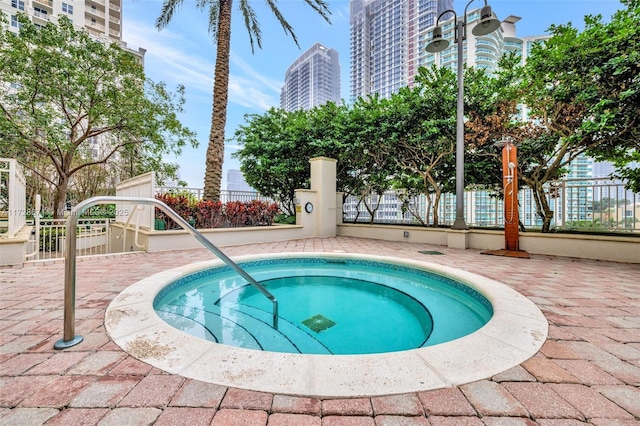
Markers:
<point>69,338</point>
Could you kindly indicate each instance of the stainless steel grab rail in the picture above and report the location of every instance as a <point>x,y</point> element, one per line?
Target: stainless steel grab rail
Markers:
<point>69,338</point>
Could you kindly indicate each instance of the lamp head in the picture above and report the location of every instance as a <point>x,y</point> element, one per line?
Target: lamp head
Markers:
<point>488,22</point>
<point>437,43</point>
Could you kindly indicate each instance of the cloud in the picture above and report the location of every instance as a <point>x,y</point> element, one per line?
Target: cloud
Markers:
<point>340,14</point>
<point>232,147</point>
<point>166,58</point>
<point>177,59</point>
<point>243,92</point>
<point>274,85</point>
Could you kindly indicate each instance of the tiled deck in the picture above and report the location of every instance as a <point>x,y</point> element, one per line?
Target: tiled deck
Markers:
<point>588,371</point>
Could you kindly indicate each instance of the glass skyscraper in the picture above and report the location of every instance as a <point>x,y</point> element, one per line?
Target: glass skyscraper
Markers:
<point>313,79</point>
<point>385,43</point>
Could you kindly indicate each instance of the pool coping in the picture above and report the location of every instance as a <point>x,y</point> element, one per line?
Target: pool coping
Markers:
<point>515,332</point>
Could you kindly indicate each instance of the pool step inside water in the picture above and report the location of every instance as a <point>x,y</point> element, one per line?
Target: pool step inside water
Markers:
<point>244,326</point>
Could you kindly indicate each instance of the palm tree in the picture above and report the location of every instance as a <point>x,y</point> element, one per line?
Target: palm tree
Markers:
<point>220,28</point>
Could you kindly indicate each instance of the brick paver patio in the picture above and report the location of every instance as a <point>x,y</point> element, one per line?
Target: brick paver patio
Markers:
<point>588,371</point>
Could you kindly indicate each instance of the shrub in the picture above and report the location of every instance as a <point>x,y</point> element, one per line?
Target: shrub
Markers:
<point>209,214</point>
<point>214,214</point>
<point>180,203</point>
<point>284,219</point>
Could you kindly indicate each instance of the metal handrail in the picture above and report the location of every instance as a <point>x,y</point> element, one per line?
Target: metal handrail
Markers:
<point>69,337</point>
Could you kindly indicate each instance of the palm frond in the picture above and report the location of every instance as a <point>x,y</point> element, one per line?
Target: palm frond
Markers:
<point>166,13</point>
<point>321,7</point>
<point>251,23</point>
<point>214,17</point>
<point>288,29</point>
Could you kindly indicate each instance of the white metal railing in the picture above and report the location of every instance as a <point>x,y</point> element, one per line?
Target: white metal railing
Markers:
<point>92,237</point>
<point>41,15</point>
<point>597,204</point>
<point>13,201</point>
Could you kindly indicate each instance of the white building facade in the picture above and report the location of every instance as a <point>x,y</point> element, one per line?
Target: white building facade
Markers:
<point>483,52</point>
<point>312,80</point>
<point>100,18</point>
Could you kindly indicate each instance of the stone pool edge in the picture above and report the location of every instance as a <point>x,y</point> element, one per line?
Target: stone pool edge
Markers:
<point>515,333</point>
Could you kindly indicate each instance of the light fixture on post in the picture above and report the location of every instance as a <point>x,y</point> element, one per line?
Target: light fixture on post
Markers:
<point>488,23</point>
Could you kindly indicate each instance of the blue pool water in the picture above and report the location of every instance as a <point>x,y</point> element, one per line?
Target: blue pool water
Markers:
<point>327,306</point>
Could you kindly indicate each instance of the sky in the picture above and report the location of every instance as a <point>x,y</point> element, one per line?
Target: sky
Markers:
<point>183,53</point>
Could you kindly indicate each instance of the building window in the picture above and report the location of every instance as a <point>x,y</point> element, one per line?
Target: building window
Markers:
<point>67,8</point>
<point>14,21</point>
<point>18,4</point>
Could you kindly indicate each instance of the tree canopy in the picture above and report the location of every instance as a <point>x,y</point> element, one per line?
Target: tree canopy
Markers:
<point>75,102</point>
<point>582,90</point>
<point>277,147</point>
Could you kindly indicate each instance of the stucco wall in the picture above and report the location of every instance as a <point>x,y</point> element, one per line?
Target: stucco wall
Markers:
<point>611,248</point>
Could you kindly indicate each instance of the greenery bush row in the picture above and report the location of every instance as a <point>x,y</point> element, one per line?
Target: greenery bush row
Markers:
<point>215,214</point>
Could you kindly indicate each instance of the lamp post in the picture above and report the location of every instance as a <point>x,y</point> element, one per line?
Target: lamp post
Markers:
<point>488,23</point>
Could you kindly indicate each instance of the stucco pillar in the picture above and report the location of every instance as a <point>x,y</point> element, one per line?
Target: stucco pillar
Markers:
<point>323,183</point>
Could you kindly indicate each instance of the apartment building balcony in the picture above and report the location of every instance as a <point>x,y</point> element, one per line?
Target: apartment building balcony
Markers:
<point>91,13</point>
<point>96,2</point>
<point>95,26</point>
<point>45,3</point>
<point>490,48</point>
<point>114,24</point>
<point>40,16</point>
<point>95,23</point>
<point>114,6</point>
<point>114,33</point>
<point>486,60</point>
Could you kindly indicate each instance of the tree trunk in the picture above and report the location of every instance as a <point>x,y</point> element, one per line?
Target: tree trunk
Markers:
<point>436,201</point>
<point>370,209</point>
<point>60,197</point>
<point>355,219</point>
<point>542,205</point>
<point>436,204</point>
<point>215,149</point>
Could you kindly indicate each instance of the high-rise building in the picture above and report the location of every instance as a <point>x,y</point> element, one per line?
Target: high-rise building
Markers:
<point>385,42</point>
<point>104,18</point>
<point>236,182</point>
<point>482,52</point>
<point>101,18</point>
<point>443,7</point>
<point>312,80</point>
